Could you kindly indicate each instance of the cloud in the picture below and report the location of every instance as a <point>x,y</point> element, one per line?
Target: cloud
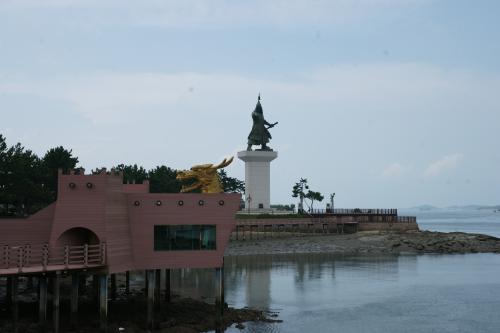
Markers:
<point>217,13</point>
<point>445,163</point>
<point>393,170</point>
<point>363,89</point>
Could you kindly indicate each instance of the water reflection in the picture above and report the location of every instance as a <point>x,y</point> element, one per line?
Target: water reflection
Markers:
<point>326,293</point>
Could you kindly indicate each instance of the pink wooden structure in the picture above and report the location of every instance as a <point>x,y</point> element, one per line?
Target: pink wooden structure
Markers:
<point>98,221</point>
<point>100,225</point>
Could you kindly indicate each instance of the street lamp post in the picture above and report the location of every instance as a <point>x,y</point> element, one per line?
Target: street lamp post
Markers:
<point>249,199</point>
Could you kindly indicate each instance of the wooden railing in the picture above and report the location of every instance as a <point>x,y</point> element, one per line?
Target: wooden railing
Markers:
<point>43,256</point>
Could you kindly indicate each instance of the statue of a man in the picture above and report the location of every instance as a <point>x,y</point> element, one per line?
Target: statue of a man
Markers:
<point>260,133</point>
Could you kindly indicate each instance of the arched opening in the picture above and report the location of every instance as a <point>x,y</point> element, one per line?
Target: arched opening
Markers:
<point>77,236</point>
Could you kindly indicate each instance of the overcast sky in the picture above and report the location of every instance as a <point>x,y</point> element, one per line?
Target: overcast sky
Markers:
<point>388,103</point>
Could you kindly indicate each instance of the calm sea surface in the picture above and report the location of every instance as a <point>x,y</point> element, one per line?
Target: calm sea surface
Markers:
<point>325,293</point>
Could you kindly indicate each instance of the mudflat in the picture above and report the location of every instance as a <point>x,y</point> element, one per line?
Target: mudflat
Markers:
<point>368,242</point>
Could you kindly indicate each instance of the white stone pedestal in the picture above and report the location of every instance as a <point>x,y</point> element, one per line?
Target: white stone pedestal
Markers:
<point>257,178</point>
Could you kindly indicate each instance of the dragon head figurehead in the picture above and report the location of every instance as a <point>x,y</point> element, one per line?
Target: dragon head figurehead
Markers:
<point>205,177</point>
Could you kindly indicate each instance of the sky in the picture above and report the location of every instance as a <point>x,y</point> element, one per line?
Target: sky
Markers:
<point>387,103</point>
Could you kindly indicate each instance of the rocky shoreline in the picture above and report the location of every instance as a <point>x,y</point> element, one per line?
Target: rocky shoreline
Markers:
<point>369,242</point>
<point>182,315</point>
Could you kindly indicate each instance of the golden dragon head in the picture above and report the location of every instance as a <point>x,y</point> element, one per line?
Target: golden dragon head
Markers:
<point>205,177</point>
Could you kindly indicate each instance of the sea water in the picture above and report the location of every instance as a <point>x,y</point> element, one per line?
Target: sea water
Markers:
<point>327,293</point>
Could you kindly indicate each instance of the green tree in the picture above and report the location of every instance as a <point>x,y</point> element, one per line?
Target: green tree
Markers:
<point>21,180</point>
<point>162,179</point>
<point>298,191</point>
<point>132,173</point>
<point>313,196</point>
<point>4,198</point>
<point>230,184</point>
<point>53,160</point>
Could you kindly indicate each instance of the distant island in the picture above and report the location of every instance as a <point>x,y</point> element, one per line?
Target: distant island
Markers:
<point>465,207</point>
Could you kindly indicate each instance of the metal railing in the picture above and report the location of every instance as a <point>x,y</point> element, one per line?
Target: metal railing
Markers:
<point>356,211</point>
<point>43,256</point>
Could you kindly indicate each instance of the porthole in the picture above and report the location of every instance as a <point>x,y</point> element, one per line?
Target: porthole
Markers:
<point>158,202</point>
<point>90,185</point>
<point>221,202</point>
<point>180,203</point>
<point>72,185</point>
<point>137,203</point>
<point>201,202</point>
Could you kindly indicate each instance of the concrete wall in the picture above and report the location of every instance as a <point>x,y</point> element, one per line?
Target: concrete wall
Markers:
<point>362,226</point>
<point>373,226</point>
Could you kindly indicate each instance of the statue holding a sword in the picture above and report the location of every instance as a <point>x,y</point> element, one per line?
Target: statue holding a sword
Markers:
<point>260,130</point>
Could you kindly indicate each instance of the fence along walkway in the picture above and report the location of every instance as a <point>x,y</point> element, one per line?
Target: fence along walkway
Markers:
<point>41,258</point>
<point>356,211</point>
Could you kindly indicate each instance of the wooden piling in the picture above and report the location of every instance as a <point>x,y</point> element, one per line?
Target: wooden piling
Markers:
<point>113,287</point>
<point>55,301</point>
<point>42,303</point>
<point>75,283</point>
<point>167,285</point>
<point>150,274</point>
<point>103,302</point>
<point>95,289</point>
<point>127,283</point>
<point>219,299</point>
<point>14,301</point>
<point>8,295</point>
<point>158,287</point>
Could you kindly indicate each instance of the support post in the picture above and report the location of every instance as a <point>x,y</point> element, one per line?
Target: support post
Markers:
<point>150,277</point>
<point>42,303</point>
<point>95,289</point>
<point>55,301</point>
<point>167,285</point>
<point>15,306</point>
<point>103,302</point>
<point>146,284</point>
<point>75,283</point>
<point>127,283</point>
<point>219,299</point>
<point>158,288</point>
<point>8,295</point>
<point>113,287</point>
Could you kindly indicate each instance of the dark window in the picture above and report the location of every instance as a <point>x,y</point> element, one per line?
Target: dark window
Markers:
<point>184,237</point>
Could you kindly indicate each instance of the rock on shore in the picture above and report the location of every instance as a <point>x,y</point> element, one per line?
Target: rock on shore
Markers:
<point>415,242</point>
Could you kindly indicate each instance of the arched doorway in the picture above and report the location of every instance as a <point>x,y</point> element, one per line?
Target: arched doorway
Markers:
<point>77,236</point>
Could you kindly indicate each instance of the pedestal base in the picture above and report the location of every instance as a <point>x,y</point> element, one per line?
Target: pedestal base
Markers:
<point>257,178</point>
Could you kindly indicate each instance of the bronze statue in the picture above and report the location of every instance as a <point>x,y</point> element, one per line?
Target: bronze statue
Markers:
<point>205,177</point>
<point>260,133</point>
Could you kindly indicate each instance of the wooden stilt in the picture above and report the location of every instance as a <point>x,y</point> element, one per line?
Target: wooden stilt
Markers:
<point>146,284</point>
<point>95,288</point>
<point>167,285</point>
<point>127,283</point>
<point>75,283</point>
<point>8,295</point>
<point>158,288</point>
<point>55,301</point>
<point>150,274</point>
<point>42,303</point>
<point>103,302</point>
<point>219,299</point>
<point>15,306</point>
<point>113,287</point>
